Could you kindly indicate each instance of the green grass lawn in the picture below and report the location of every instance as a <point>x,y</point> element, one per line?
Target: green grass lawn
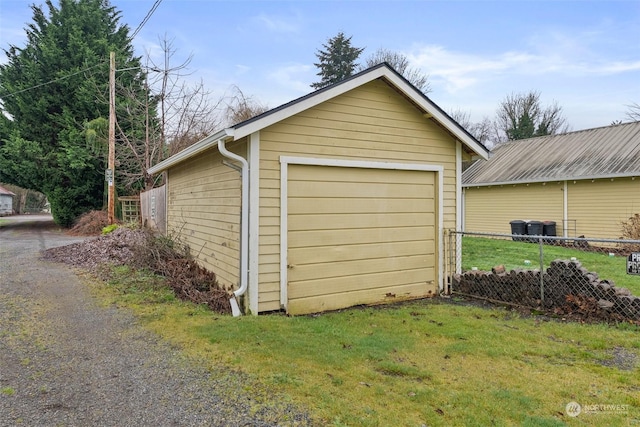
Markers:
<point>485,253</point>
<point>428,362</point>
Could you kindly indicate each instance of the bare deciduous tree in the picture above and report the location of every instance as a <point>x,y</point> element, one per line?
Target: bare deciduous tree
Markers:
<point>400,63</point>
<point>187,111</point>
<point>484,131</point>
<point>633,112</point>
<point>521,116</point>
<point>172,114</point>
<point>241,107</point>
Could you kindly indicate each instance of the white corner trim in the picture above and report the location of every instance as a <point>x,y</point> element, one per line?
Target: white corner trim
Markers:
<point>440,230</point>
<point>253,154</point>
<point>285,161</point>
<point>284,227</point>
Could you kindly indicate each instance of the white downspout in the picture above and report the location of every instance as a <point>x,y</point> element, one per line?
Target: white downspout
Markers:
<point>565,210</point>
<point>244,227</point>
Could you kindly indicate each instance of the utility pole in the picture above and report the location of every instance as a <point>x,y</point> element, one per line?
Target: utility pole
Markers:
<point>110,173</point>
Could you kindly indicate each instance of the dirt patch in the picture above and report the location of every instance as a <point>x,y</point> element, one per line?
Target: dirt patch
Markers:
<point>622,359</point>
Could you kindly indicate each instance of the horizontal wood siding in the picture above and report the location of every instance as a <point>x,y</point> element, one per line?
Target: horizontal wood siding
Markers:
<point>594,208</point>
<point>600,206</point>
<point>390,218</point>
<point>490,209</point>
<point>372,122</point>
<point>204,198</point>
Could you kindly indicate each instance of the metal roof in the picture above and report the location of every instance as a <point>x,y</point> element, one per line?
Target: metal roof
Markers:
<point>5,191</point>
<point>606,152</point>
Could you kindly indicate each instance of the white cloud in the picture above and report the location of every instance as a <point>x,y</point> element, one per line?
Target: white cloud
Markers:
<point>293,77</point>
<point>456,71</point>
<point>618,67</point>
<point>278,24</point>
<point>242,69</point>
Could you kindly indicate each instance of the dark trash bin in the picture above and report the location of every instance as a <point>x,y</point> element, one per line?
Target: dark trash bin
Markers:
<point>534,228</point>
<point>518,227</point>
<point>549,229</point>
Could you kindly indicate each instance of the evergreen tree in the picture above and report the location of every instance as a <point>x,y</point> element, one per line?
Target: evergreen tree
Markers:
<point>50,89</point>
<point>337,61</point>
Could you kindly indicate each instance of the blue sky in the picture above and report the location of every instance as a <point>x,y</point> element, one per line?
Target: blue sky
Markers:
<point>584,55</point>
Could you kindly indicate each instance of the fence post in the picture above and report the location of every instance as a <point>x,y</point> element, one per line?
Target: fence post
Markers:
<point>445,262</point>
<point>541,271</point>
<point>450,261</point>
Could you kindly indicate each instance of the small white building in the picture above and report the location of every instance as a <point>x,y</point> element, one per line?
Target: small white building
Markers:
<point>6,201</point>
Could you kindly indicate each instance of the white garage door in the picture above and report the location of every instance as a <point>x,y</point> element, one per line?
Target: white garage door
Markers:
<point>359,236</point>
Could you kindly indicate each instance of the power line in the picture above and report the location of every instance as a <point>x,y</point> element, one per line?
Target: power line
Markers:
<point>146,18</point>
<point>52,81</point>
<point>142,24</point>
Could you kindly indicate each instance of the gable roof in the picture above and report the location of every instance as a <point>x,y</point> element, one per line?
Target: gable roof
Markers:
<point>606,152</point>
<point>5,191</point>
<point>381,71</point>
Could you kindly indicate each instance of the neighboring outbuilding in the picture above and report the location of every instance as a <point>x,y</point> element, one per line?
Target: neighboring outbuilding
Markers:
<point>587,182</point>
<point>6,201</point>
<point>338,198</point>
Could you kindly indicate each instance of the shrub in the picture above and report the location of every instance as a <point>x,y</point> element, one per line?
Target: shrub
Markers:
<point>631,231</point>
<point>109,228</point>
<point>90,224</point>
<point>170,257</point>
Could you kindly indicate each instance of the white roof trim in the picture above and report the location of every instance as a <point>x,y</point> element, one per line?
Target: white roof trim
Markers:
<point>313,99</point>
<point>309,102</point>
<point>432,111</point>
<point>191,151</point>
<point>436,113</point>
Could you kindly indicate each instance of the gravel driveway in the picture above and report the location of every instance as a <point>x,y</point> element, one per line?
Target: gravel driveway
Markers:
<point>65,361</point>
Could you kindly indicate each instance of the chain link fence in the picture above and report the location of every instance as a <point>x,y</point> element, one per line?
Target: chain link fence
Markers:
<point>590,279</point>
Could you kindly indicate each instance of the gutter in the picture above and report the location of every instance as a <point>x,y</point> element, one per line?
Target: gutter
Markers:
<point>244,226</point>
<point>191,151</point>
<point>557,179</point>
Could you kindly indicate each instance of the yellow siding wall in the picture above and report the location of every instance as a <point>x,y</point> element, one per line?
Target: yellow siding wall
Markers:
<point>490,209</point>
<point>595,209</point>
<point>204,198</point>
<point>372,122</point>
<point>598,207</point>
